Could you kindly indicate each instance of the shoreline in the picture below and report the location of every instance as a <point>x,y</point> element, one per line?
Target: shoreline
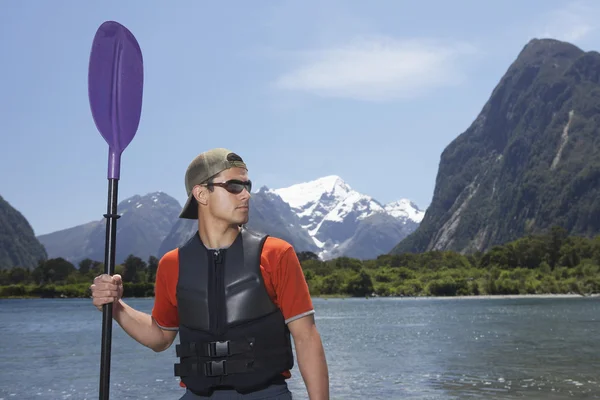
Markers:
<point>469,297</point>
<point>344,297</point>
<point>499,296</point>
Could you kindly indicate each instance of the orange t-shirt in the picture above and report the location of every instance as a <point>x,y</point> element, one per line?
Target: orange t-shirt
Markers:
<point>281,271</point>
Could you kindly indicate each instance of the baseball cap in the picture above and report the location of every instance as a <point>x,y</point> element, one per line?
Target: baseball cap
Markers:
<point>204,166</point>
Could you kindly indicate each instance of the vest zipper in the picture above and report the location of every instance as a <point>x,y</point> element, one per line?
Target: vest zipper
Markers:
<point>219,290</point>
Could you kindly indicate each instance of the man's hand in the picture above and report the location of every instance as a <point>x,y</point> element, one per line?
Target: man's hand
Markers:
<point>106,289</point>
<point>139,325</point>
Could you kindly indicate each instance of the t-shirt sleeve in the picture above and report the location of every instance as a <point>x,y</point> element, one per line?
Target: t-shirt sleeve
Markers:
<point>291,288</point>
<point>164,311</point>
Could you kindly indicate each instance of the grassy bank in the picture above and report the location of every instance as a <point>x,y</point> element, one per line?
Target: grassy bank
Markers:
<point>385,281</point>
<point>534,265</point>
<point>80,290</point>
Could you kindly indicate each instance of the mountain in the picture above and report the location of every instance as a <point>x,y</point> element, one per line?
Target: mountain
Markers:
<point>324,216</point>
<point>144,223</point>
<point>374,235</point>
<point>342,221</point>
<point>268,214</point>
<point>18,244</point>
<point>530,160</point>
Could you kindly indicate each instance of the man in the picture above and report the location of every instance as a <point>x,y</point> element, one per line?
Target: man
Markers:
<point>233,296</point>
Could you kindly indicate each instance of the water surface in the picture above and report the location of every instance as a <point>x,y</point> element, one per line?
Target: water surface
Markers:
<point>533,348</point>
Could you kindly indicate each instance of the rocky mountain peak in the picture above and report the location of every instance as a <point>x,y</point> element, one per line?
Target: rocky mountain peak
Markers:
<point>529,161</point>
<point>539,51</point>
<point>405,208</point>
<point>18,245</point>
<point>327,188</point>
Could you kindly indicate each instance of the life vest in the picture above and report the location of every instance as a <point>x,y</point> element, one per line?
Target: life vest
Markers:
<point>231,334</point>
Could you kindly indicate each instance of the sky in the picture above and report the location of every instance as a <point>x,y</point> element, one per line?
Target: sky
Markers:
<point>370,91</point>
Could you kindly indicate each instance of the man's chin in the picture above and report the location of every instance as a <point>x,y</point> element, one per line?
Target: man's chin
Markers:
<point>242,221</point>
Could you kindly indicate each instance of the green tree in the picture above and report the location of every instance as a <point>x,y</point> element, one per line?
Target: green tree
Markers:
<point>555,242</point>
<point>360,284</point>
<point>133,268</point>
<point>152,268</point>
<point>18,275</point>
<point>348,263</point>
<point>85,265</point>
<point>54,270</point>
<point>332,284</point>
<point>596,250</point>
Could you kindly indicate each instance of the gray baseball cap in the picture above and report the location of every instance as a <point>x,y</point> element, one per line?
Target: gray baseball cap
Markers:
<point>203,167</point>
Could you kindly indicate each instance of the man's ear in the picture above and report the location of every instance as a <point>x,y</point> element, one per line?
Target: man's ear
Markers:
<point>200,194</point>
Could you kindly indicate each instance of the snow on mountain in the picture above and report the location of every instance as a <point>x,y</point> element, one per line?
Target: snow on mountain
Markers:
<point>155,199</point>
<point>313,201</point>
<point>331,211</point>
<point>301,194</point>
<point>405,208</point>
<point>325,216</point>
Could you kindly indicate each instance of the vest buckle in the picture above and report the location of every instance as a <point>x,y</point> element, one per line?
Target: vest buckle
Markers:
<point>218,349</point>
<point>215,368</point>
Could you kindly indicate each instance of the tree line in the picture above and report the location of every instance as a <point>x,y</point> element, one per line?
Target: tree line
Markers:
<point>57,277</point>
<point>552,263</point>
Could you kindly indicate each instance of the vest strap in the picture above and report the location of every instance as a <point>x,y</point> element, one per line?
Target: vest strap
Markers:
<point>227,367</point>
<point>215,349</point>
<point>215,368</point>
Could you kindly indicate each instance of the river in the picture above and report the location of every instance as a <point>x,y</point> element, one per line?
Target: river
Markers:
<point>379,348</point>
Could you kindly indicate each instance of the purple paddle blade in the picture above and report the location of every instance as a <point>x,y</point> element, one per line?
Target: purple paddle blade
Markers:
<point>115,86</point>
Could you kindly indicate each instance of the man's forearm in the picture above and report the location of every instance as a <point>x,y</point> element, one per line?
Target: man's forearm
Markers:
<point>313,366</point>
<point>140,326</point>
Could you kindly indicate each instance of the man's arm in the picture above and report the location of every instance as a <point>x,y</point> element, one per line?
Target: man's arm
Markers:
<point>311,357</point>
<point>143,328</point>
<point>293,297</point>
<point>139,325</point>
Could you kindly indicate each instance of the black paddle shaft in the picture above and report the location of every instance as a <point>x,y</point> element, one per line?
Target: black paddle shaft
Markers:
<point>109,268</point>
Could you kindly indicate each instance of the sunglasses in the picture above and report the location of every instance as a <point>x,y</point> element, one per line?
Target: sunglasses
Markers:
<point>233,186</point>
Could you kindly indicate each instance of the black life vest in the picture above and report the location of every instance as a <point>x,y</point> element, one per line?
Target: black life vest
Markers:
<point>231,334</point>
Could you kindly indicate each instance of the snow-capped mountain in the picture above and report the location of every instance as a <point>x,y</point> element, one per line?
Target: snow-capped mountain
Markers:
<point>332,212</point>
<point>268,214</point>
<point>325,216</point>
<point>405,209</point>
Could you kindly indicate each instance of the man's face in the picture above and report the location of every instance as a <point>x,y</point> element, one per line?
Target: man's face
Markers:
<point>224,205</point>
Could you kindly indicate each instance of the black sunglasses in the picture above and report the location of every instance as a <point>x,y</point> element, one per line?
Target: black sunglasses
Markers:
<point>233,186</point>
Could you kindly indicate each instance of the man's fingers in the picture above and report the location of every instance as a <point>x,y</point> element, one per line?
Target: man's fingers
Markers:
<point>103,278</point>
<point>106,289</point>
<point>107,279</point>
<point>98,301</point>
<point>103,286</point>
<point>105,293</point>
<point>101,301</point>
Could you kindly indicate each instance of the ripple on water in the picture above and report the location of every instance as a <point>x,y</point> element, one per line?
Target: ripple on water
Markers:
<point>544,387</point>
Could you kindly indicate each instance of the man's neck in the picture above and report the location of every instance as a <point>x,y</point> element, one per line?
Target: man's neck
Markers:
<point>214,236</point>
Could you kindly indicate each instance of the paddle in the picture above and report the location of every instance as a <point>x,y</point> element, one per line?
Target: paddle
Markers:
<point>115,83</point>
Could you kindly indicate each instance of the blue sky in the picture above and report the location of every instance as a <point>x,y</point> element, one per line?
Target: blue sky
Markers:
<point>370,91</point>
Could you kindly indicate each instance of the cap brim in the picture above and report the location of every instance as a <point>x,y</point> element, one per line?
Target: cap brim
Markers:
<point>190,209</point>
